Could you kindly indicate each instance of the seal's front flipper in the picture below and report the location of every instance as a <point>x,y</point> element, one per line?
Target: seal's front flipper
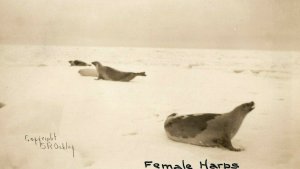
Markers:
<point>100,77</point>
<point>227,144</point>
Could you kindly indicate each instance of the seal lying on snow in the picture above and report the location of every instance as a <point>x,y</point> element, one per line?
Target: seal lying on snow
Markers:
<point>88,72</point>
<point>2,105</point>
<point>78,63</point>
<point>207,129</point>
<point>108,73</point>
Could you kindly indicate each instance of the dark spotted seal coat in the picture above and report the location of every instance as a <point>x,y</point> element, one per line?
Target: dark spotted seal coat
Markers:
<point>78,63</point>
<point>207,129</point>
<point>108,73</point>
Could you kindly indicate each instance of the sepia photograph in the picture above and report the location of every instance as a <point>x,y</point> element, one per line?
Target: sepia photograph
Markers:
<point>149,84</point>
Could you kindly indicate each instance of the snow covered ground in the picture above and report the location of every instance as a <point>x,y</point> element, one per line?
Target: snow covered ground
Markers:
<point>120,125</point>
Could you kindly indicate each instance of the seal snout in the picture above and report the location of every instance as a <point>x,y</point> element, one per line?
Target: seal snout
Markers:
<point>251,105</point>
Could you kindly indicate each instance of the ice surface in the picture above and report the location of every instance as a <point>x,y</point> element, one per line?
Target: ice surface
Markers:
<point>120,125</point>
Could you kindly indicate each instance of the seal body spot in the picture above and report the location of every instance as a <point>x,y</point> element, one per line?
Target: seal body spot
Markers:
<point>109,73</point>
<point>78,63</point>
<point>207,129</point>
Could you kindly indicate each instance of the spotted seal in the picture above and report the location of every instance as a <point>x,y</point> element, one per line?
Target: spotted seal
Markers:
<point>208,129</point>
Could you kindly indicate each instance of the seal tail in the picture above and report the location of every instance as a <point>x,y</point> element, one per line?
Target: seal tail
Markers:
<point>141,74</point>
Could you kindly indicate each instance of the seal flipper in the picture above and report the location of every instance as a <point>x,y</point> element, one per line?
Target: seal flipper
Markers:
<point>226,143</point>
<point>100,77</point>
<point>141,74</point>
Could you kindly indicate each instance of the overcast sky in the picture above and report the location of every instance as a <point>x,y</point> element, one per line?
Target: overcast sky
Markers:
<point>261,24</point>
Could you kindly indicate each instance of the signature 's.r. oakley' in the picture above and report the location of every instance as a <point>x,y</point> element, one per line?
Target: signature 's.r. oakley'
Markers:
<point>50,143</point>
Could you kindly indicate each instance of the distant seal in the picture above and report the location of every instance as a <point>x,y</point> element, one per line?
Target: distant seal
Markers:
<point>78,63</point>
<point>108,73</point>
<point>2,105</point>
<point>211,130</point>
